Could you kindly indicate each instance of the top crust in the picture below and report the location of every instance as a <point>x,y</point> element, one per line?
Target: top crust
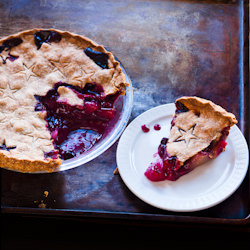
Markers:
<point>198,104</point>
<point>67,57</point>
<point>34,72</point>
<point>196,128</point>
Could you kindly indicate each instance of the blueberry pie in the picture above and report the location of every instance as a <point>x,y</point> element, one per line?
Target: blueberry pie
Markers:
<point>198,133</point>
<point>57,91</point>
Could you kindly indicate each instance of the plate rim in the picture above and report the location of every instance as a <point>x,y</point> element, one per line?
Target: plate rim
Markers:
<point>169,108</point>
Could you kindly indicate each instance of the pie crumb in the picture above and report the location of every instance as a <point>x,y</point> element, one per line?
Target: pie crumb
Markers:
<point>46,193</point>
<point>42,205</point>
<point>116,171</point>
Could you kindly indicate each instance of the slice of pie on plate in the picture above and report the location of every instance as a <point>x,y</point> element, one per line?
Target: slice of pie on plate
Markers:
<point>198,133</point>
<point>57,91</point>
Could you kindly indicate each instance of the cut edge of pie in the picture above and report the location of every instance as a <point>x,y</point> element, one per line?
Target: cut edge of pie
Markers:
<point>25,68</point>
<point>29,166</point>
<point>198,133</point>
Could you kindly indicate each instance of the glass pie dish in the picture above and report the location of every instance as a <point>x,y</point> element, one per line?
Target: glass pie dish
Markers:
<point>123,106</point>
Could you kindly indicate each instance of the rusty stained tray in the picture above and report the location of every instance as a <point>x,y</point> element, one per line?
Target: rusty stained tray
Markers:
<point>169,49</point>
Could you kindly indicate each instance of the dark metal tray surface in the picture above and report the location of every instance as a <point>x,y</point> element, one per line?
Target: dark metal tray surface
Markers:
<point>169,49</point>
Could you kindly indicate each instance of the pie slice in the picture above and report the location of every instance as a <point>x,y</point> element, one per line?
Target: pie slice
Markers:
<point>198,133</point>
<point>57,94</point>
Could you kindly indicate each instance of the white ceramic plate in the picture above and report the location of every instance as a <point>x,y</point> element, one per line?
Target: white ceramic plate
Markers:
<point>202,188</point>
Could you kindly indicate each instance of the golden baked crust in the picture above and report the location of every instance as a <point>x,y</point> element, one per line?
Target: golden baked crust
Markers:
<point>34,72</point>
<point>195,128</point>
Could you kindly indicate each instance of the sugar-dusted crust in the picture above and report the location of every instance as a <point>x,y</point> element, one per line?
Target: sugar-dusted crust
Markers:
<point>65,60</point>
<point>195,129</point>
<point>34,72</point>
<point>215,111</point>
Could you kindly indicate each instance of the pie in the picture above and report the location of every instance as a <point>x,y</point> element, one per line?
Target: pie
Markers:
<point>57,94</point>
<point>198,133</point>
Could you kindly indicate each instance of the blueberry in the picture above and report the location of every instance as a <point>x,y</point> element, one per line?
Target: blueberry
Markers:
<point>46,36</point>
<point>68,154</point>
<point>7,45</point>
<point>13,42</point>
<point>181,108</point>
<point>100,58</point>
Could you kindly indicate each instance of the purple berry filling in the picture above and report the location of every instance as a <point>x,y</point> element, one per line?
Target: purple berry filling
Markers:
<point>10,57</point>
<point>99,58</point>
<point>7,45</point>
<point>51,154</point>
<point>181,108</point>
<point>76,129</point>
<point>4,147</point>
<point>169,167</point>
<point>46,36</point>
<point>10,43</point>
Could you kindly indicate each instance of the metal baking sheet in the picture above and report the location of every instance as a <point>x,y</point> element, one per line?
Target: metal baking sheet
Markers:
<point>169,49</point>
